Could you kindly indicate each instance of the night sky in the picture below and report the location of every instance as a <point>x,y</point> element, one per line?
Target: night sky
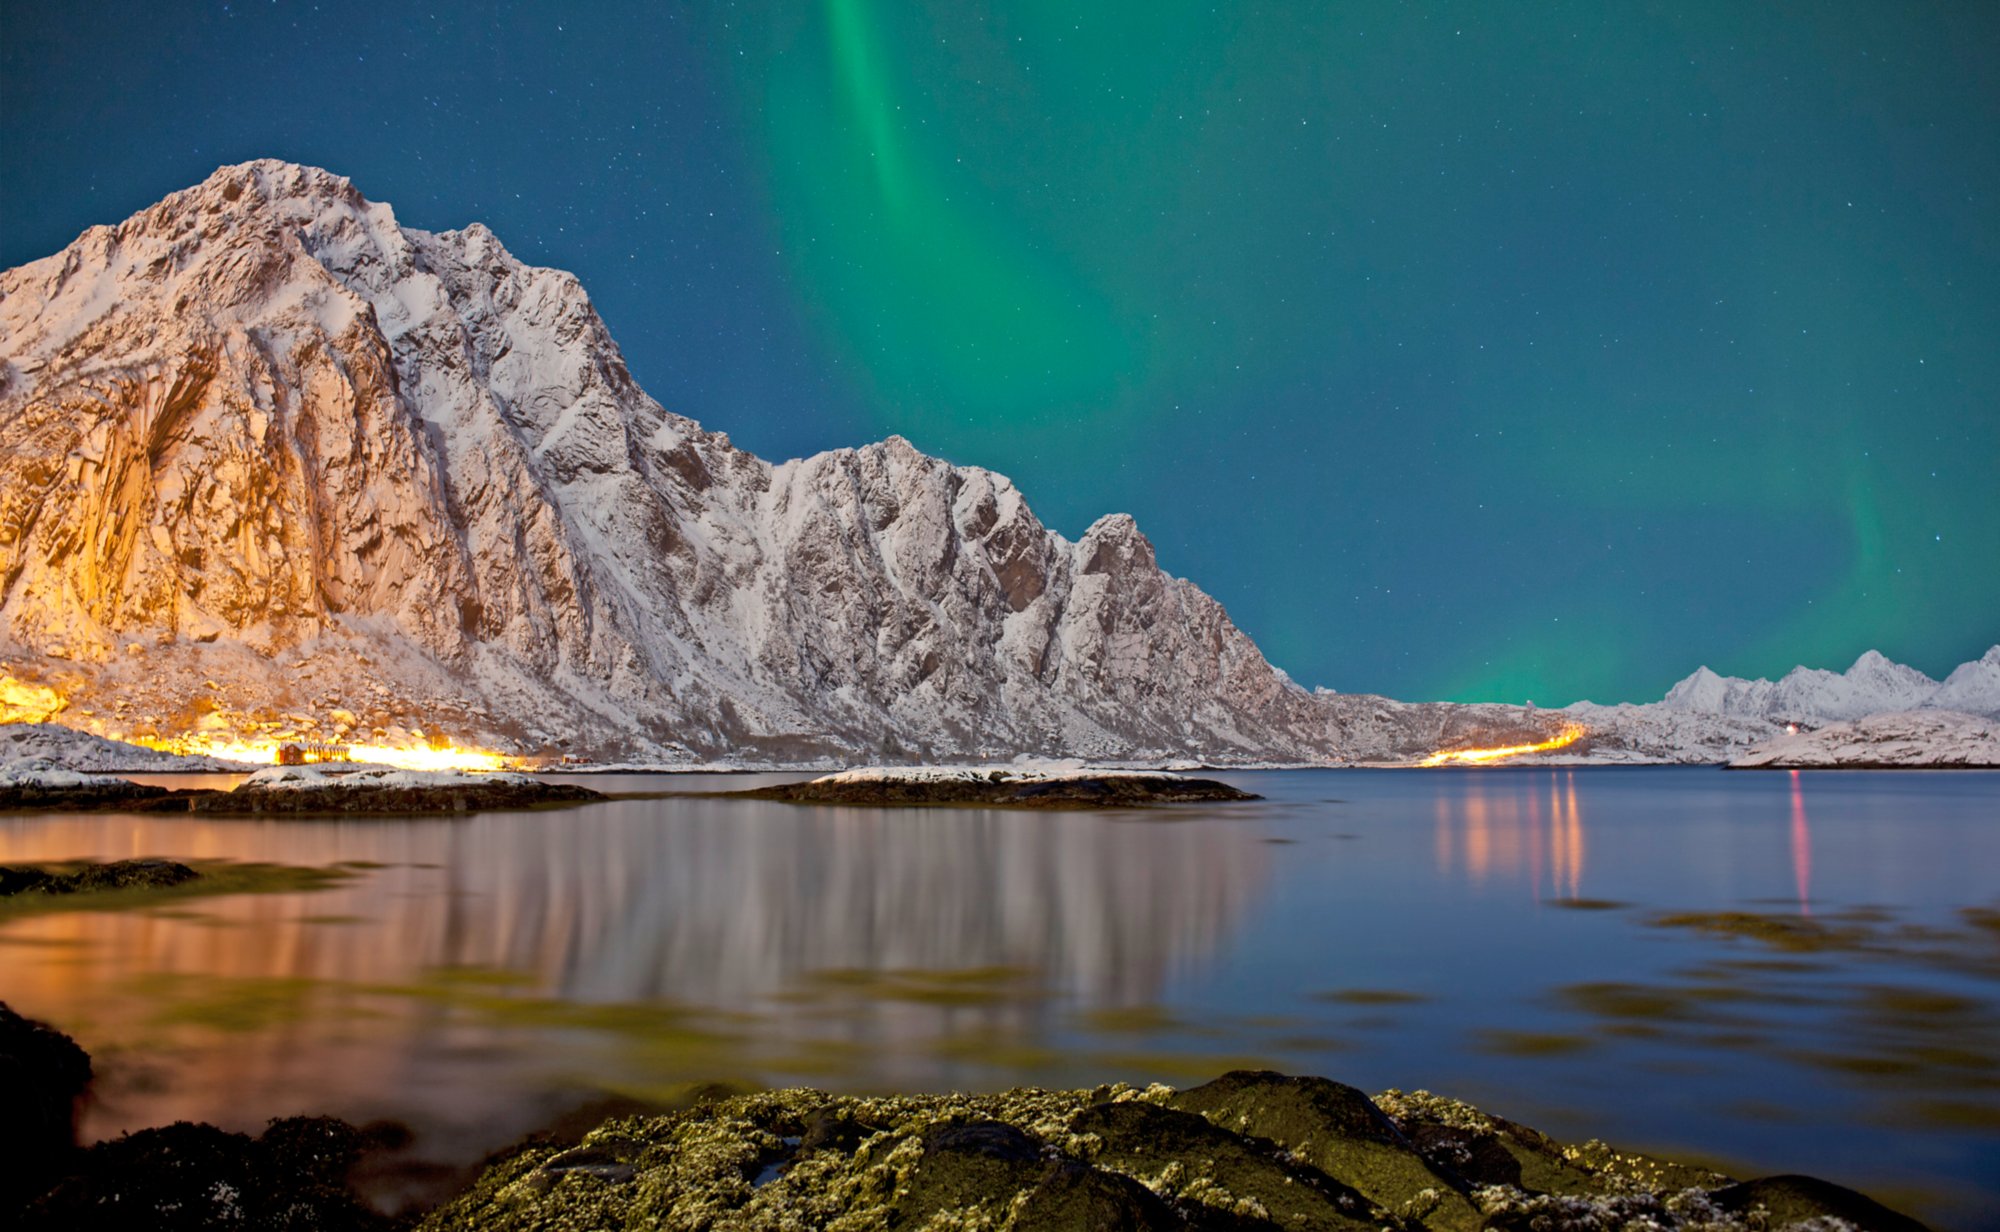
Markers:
<point>1527,351</point>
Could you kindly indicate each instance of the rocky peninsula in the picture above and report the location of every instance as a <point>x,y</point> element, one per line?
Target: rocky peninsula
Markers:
<point>1003,787</point>
<point>377,791</point>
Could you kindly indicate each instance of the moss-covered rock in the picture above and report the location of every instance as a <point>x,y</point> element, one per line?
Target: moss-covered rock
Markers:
<point>1338,1130</point>
<point>1252,1152</point>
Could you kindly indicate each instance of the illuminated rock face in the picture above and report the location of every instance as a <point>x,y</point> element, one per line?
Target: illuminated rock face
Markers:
<point>261,446</point>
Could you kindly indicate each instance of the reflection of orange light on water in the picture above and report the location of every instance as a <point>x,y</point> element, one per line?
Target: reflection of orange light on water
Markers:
<point>1508,833</point>
<point>1478,757</point>
<point>1478,839</point>
<point>1573,826</point>
<point>1801,846</point>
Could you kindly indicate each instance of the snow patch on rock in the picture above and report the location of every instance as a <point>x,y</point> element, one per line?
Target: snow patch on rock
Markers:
<point>310,778</point>
<point>48,775</point>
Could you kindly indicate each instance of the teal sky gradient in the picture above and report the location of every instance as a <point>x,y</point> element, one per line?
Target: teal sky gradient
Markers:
<point>1469,351</point>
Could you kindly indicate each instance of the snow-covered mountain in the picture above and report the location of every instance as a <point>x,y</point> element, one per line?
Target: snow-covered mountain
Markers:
<point>270,461</point>
<point>272,464</point>
<point>1972,687</point>
<point>1806,695</point>
<point>1711,718</point>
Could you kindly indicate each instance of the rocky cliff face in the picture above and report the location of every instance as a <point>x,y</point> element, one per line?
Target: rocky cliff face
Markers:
<point>270,460</point>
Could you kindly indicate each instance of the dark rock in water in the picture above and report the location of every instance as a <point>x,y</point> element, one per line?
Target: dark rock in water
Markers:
<point>1794,1199</point>
<point>197,1177</point>
<point>115,875</point>
<point>87,796</point>
<point>42,1074</point>
<point>1338,1130</point>
<point>1000,788</point>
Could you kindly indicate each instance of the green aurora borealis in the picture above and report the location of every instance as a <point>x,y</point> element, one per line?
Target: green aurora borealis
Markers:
<point>1464,351</point>
<point>1549,351</point>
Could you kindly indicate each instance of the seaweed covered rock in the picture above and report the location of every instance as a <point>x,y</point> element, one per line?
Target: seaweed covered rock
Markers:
<point>1251,1152</point>
<point>90,878</point>
<point>1338,1130</point>
<point>1206,1165</point>
<point>42,1074</point>
<point>185,1178</point>
<point>1799,1199</point>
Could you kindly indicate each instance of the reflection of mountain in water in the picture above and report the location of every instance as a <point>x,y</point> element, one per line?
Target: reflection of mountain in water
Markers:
<point>732,902</point>
<point>255,1006</point>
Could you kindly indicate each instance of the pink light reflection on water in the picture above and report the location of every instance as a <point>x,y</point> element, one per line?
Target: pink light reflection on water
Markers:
<point>1801,846</point>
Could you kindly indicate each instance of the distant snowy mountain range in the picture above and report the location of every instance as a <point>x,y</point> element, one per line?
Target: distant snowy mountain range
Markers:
<point>1712,718</point>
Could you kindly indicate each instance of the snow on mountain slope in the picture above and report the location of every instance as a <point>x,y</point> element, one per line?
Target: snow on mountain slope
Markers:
<point>1904,739</point>
<point>271,462</point>
<point>1871,686</point>
<point>1972,687</point>
<point>274,466</point>
<point>1710,718</point>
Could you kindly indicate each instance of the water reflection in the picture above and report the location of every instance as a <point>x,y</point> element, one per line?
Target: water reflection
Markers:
<point>1512,826</point>
<point>639,943</point>
<point>1384,928</point>
<point>1801,847</point>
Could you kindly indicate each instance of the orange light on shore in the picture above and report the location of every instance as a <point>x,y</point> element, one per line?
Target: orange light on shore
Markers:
<point>265,753</point>
<point>1479,757</point>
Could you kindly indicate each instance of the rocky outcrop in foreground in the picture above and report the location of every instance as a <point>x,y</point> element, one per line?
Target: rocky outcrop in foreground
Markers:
<point>1005,788</point>
<point>1245,1153</point>
<point>1248,1152</point>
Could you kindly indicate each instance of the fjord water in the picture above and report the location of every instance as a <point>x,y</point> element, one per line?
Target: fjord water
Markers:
<point>1777,972</point>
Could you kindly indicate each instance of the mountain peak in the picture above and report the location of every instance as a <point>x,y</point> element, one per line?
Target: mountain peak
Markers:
<point>379,478</point>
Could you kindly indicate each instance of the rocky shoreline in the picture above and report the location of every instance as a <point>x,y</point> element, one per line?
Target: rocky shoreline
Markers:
<point>1250,1151</point>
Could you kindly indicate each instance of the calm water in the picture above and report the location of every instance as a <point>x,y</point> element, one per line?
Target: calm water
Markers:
<point>1506,936</point>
